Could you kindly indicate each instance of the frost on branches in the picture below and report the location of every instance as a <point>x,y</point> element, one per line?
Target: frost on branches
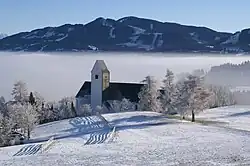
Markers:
<point>222,96</point>
<point>6,126</point>
<point>169,89</point>
<point>20,92</point>
<point>66,108</point>
<point>122,106</point>
<point>85,110</point>
<point>199,100</point>
<point>192,96</point>
<point>149,96</point>
<point>24,116</point>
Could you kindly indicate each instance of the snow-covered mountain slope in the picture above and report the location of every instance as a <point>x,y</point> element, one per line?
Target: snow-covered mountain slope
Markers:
<point>126,34</point>
<point>141,138</point>
<point>2,35</point>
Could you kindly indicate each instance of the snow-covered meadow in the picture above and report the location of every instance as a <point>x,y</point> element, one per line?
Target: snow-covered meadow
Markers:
<point>141,138</point>
<point>57,75</point>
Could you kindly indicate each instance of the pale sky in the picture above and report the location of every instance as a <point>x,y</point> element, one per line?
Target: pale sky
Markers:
<point>25,15</point>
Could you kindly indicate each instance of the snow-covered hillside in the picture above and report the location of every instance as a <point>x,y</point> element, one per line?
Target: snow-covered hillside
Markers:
<point>236,117</point>
<point>141,138</point>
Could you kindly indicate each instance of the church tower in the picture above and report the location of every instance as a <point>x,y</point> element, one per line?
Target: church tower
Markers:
<point>100,79</point>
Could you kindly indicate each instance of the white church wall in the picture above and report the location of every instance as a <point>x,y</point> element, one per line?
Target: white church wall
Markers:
<point>96,89</point>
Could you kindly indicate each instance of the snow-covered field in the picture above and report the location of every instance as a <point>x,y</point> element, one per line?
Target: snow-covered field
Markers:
<point>141,138</point>
<point>236,117</point>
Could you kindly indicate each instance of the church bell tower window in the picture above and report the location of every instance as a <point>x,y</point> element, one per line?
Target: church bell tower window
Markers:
<point>96,77</point>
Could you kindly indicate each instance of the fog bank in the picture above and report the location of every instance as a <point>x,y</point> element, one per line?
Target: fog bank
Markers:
<point>59,75</point>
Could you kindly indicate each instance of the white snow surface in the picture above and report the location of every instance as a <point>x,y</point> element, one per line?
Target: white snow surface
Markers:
<point>141,138</point>
<point>235,117</point>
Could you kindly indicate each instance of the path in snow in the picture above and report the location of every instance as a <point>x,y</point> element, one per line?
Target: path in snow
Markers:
<point>29,150</point>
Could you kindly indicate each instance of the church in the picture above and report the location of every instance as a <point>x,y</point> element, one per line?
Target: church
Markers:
<point>100,91</point>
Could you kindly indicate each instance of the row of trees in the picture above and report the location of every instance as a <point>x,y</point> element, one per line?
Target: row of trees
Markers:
<point>26,110</point>
<point>187,96</point>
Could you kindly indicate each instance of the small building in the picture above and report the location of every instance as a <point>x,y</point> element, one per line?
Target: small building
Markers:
<point>100,91</point>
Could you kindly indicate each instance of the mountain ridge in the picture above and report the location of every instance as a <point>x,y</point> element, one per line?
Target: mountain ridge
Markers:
<point>3,35</point>
<point>128,34</point>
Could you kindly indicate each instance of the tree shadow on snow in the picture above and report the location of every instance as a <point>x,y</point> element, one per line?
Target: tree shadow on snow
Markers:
<point>141,118</point>
<point>246,113</point>
<point>98,137</point>
<point>81,127</point>
<point>29,150</point>
<point>143,122</point>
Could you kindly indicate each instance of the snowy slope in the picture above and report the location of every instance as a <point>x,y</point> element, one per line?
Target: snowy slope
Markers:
<point>236,117</point>
<point>142,138</point>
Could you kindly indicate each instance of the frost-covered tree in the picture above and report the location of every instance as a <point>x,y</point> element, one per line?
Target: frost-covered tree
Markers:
<point>116,105</point>
<point>24,116</point>
<point>20,92</point>
<point>30,118</point>
<point>222,96</point>
<point>39,99</point>
<point>192,96</point>
<point>65,107</point>
<point>6,126</point>
<point>98,109</point>
<point>2,105</point>
<point>199,100</point>
<point>169,89</point>
<point>181,97</point>
<point>85,110</point>
<point>52,112</point>
<point>123,105</point>
<point>149,96</point>
<point>126,105</point>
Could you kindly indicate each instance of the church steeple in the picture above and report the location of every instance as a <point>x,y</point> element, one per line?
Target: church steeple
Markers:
<point>100,78</point>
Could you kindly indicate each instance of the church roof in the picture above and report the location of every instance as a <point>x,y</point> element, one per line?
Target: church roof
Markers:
<point>85,89</point>
<point>100,65</point>
<point>115,91</point>
<point>118,91</point>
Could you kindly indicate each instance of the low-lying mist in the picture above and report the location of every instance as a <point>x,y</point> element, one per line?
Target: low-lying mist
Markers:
<point>57,75</point>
